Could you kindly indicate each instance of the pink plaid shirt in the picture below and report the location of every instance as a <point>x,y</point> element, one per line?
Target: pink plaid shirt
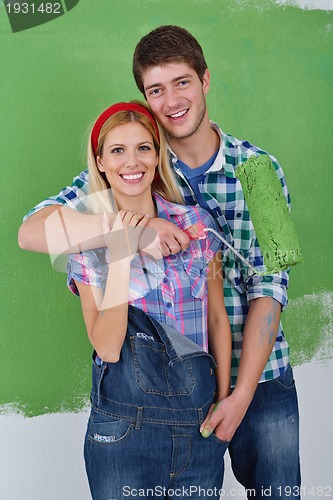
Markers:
<point>172,290</point>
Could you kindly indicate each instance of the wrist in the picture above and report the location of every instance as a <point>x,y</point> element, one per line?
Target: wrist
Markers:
<point>221,396</point>
<point>222,393</point>
<point>242,396</point>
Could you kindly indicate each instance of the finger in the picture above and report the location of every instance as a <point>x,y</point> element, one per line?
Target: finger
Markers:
<point>122,213</point>
<point>178,243</point>
<point>207,430</point>
<point>221,433</point>
<point>165,249</point>
<point>127,217</point>
<point>143,221</point>
<point>137,218</point>
<point>209,414</point>
<point>182,239</point>
<point>174,247</point>
<point>212,423</point>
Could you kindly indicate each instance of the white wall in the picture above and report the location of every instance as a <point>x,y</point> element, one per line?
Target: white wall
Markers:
<point>314,385</point>
<point>41,457</point>
<point>309,4</point>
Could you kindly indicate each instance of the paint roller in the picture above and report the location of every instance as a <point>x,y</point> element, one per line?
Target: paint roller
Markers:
<point>270,216</point>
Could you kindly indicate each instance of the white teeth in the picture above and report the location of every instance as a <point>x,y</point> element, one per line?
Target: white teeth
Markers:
<point>180,113</point>
<point>132,177</point>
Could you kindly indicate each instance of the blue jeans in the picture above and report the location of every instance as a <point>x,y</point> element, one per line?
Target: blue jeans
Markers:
<point>126,458</point>
<point>143,436</point>
<point>265,448</point>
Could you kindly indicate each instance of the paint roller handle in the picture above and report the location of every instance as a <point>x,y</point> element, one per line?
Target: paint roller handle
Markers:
<point>253,269</point>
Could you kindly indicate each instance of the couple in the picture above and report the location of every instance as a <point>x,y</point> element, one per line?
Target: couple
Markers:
<point>260,416</point>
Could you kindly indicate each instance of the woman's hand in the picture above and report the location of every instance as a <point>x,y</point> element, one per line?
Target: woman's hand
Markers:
<point>123,239</point>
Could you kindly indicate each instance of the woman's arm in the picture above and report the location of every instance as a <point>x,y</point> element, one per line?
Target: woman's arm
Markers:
<point>106,315</point>
<point>219,327</point>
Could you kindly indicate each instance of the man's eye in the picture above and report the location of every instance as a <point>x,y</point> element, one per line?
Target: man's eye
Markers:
<point>184,82</point>
<point>155,92</point>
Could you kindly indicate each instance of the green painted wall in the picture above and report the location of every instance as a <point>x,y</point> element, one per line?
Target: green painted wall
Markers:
<point>272,77</point>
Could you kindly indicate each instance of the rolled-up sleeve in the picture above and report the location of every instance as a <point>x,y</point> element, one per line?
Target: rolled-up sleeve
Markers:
<point>89,267</point>
<point>271,285</point>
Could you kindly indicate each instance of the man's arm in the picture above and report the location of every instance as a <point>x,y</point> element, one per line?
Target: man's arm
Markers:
<point>260,332</point>
<point>59,225</point>
<point>57,229</point>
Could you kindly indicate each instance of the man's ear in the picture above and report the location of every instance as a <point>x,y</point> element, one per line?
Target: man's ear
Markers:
<point>100,165</point>
<point>206,82</point>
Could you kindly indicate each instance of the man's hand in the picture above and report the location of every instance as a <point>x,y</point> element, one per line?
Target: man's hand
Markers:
<point>224,417</point>
<point>169,238</point>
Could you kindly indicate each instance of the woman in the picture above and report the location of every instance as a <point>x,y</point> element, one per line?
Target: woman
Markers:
<point>150,324</point>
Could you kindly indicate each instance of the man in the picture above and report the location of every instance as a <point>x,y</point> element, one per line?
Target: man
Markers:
<point>260,417</point>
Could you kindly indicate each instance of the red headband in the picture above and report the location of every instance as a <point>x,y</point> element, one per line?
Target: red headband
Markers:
<point>112,110</point>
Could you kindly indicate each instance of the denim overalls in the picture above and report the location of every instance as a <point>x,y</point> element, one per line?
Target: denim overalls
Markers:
<point>143,436</point>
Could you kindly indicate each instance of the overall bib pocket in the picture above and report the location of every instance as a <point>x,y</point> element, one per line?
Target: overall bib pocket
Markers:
<point>154,374</point>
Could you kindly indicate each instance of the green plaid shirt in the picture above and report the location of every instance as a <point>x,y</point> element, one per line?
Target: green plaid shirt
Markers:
<point>223,193</point>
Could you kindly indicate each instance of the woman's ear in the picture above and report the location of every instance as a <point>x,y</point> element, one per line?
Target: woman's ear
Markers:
<point>100,165</point>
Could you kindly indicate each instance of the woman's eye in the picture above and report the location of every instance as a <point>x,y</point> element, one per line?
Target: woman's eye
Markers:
<point>117,150</point>
<point>144,148</point>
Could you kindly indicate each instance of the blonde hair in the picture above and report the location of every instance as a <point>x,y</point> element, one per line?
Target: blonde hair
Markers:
<point>100,191</point>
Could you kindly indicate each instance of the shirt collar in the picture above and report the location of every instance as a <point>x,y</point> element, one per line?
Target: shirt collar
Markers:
<point>166,209</point>
<point>220,160</point>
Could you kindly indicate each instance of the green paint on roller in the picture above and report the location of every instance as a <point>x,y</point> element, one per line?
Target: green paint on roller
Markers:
<point>269,213</point>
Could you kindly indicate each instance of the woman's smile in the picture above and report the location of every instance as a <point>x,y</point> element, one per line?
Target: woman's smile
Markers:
<point>133,177</point>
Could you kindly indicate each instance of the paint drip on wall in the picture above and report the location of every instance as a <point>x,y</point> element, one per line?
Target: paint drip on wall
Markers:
<point>309,328</point>
<point>308,4</point>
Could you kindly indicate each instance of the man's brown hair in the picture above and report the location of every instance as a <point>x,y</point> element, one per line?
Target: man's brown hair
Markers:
<point>167,44</point>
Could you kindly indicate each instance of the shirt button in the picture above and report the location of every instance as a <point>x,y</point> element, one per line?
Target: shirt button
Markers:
<point>165,280</point>
<point>168,304</point>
